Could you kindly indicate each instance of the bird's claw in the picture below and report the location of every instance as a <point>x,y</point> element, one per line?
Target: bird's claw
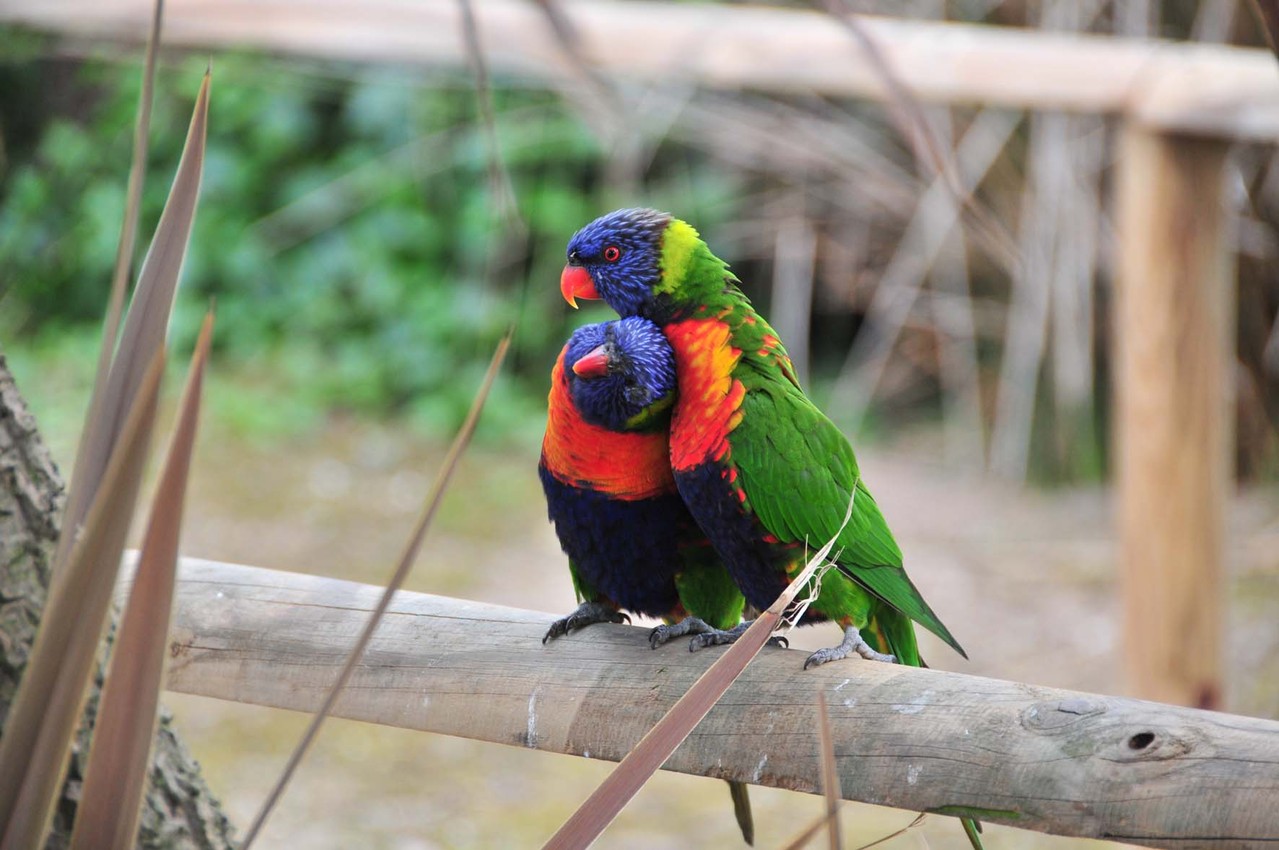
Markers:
<point>717,637</point>
<point>588,613</point>
<point>668,631</point>
<point>853,644</point>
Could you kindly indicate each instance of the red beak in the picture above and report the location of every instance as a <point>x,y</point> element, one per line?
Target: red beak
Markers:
<point>594,364</point>
<point>575,283</point>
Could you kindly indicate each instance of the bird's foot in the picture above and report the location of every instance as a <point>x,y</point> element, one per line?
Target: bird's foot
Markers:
<point>853,644</point>
<point>717,637</point>
<point>669,631</point>
<point>586,614</point>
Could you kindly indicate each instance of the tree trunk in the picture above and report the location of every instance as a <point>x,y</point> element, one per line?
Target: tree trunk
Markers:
<point>179,811</point>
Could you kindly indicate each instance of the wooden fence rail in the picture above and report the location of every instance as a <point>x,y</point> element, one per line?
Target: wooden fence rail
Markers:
<point>1033,757</point>
<point>1205,89</point>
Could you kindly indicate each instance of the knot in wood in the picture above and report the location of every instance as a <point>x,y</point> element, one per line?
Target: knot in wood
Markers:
<point>1146,743</point>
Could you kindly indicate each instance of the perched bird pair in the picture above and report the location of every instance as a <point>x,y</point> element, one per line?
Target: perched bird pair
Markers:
<point>764,475</point>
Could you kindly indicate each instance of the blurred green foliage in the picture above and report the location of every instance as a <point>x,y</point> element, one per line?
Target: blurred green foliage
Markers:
<point>346,229</point>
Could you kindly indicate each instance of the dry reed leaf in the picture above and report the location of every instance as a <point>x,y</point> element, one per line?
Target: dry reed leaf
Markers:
<point>499,177</point>
<point>913,123</point>
<point>410,554</point>
<point>890,836</point>
<point>594,815</point>
<point>82,486</point>
<point>46,710</point>
<point>144,331</point>
<point>806,836</point>
<point>116,774</point>
<point>830,773</point>
<point>1268,12</point>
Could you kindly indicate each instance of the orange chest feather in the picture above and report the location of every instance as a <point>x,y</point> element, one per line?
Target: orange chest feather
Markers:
<point>710,398</point>
<point>626,465</point>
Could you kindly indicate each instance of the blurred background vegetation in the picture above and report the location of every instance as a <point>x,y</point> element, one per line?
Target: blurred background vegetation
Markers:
<point>363,269</point>
<point>360,264</point>
<point>346,229</point>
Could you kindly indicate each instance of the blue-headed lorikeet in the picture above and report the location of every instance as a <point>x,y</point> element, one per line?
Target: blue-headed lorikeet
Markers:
<point>605,469</point>
<point>765,473</point>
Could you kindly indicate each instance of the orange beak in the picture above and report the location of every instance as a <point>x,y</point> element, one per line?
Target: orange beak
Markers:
<point>594,364</point>
<point>575,283</point>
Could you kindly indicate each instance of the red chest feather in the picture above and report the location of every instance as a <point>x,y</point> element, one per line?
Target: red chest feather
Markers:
<point>625,465</point>
<point>710,398</point>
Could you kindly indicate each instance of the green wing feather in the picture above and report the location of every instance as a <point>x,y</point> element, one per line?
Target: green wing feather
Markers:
<point>799,472</point>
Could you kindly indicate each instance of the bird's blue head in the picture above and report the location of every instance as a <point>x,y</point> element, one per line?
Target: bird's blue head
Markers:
<point>617,257</point>
<point>621,374</point>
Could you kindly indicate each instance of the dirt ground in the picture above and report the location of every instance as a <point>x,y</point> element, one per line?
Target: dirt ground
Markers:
<point>1024,578</point>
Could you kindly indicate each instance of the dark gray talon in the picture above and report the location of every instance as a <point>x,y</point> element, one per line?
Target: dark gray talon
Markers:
<point>853,644</point>
<point>717,637</point>
<point>667,631</point>
<point>588,613</point>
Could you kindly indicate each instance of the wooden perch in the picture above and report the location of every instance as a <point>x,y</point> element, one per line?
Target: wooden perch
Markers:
<point>1193,88</point>
<point>1037,758</point>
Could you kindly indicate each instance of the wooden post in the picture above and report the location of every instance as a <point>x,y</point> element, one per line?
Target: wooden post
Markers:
<point>1174,335</point>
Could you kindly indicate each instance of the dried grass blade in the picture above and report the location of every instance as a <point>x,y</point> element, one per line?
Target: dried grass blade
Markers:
<point>914,125</point>
<point>593,816</point>
<point>116,773</point>
<point>397,580</point>
<point>144,327</point>
<point>82,487</point>
<point>46,709</point>
<point>830,773</point>
<point>890,836</point>
<point>806,836</point>
<point>1268,11</point>
<point>499,177</point>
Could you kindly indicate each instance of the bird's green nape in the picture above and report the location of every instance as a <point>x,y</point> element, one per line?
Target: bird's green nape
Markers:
<point>680,241</point>
<point>690,273</point>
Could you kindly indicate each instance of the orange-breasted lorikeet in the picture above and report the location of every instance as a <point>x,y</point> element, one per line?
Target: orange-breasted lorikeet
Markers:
<point>605,469</point>
<point>764,472</point>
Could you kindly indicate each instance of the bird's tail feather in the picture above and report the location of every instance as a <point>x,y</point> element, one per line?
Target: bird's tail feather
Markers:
<point>742,809</point>
<point>972,828</point>
<point>896,634</point>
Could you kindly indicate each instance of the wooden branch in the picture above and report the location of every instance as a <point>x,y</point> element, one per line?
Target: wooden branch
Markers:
<point>1033,757</point>
<point>1195,88</point>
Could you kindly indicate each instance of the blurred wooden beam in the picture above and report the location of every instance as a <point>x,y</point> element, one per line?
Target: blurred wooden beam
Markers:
<point>1194,88</point>
<point>1174,335</point>
<point>1038,758</point>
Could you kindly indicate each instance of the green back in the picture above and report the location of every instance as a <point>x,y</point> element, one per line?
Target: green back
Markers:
<point>797,469</point>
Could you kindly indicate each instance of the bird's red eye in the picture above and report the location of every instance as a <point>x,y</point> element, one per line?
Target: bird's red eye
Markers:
<point>612,254</point>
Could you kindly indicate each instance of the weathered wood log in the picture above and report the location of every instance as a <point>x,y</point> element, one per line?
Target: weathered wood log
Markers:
<point>1195,88</point>
<point>1033,757</point>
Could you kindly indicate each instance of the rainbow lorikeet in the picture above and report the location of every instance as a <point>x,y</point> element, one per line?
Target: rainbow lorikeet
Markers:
<point>765,473</point>
<point>605,469</point>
